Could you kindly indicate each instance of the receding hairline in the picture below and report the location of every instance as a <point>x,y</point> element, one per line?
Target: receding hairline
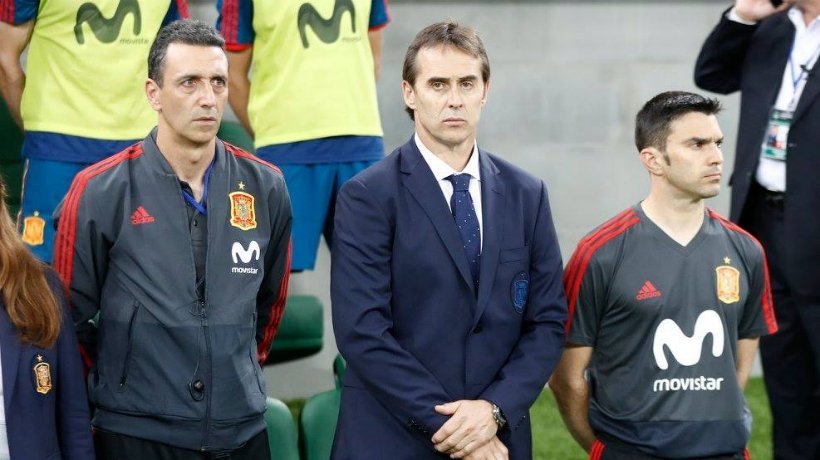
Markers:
<point>447,47</point>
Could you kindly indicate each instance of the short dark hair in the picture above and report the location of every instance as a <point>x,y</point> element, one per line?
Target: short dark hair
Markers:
<point>652,125</point>
<point>446,33</point>
<point>185,31</point>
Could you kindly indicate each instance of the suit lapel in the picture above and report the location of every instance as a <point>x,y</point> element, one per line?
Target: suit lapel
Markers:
<point>421,183</point>
<point>810,92</point>
<point>493,211</point>
<point>770,77</point>
<point>10,355</point>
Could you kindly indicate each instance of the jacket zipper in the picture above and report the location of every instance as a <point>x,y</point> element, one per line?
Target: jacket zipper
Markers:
<point>208,374</point>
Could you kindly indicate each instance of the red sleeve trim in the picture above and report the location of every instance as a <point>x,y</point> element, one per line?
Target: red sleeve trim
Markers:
<point>277,310</point>
<point>67,228</point>
<point>583,254</point>
<point>378,27</point>
<point>182,8</point>
<point>7,11</point>
<point>768,303</point>
<point>597,450</point>
<point>230,20</point>
<point>237,46</point>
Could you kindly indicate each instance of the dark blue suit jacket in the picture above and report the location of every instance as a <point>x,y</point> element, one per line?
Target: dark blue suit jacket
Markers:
<point>407,319</point>
<point>752,59</point>
<point>47,426</point>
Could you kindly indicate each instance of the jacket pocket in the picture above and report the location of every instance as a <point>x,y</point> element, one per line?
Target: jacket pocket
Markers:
<point>513,255</point>
<point>126,363</point>
<point>253,354</point>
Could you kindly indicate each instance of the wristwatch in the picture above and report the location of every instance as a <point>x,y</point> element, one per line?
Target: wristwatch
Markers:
<point>498,416</point>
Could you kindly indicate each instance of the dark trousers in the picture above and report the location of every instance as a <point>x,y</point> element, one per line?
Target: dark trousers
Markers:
<point>613,450</point>
<point>113,446</point>
<point>791,357</point>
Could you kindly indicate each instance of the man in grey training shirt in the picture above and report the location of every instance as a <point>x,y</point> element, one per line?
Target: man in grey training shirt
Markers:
<point>666,304</point>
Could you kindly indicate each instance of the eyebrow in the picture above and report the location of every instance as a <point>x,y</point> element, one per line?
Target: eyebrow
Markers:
<point>445,79</point>
<point>703,140</point>
<point>199,75</point>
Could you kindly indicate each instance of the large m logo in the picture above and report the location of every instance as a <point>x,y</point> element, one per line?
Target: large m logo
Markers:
<point>685,349</point>
<point>326,29</point>
<point>106,30</point>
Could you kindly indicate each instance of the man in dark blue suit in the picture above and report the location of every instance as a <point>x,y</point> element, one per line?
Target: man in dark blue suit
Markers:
<point>446,278</point>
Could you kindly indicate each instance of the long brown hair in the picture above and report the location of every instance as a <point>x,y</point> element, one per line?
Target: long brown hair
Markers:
<point>30,303</point>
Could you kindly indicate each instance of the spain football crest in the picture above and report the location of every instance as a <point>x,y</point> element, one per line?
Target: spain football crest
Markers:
<point>728,284</point>
<point>42,375</point>
<point>243,215</point>
<point>33,228</point>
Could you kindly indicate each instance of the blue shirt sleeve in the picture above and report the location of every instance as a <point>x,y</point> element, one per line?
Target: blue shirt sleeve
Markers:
<point>235,23</point>
<point>18,11</point>
<point>379,15</point>
<point>178,9</point>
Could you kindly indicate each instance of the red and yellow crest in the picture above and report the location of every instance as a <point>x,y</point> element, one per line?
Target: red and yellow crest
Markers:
<point>42,375</point>
<point>243,215</point>
<point>728,284</point>
<point>33,229</point>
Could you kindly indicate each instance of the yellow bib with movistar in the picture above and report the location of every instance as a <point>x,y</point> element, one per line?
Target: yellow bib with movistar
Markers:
<point>87,66</point>
<point>312,74</point>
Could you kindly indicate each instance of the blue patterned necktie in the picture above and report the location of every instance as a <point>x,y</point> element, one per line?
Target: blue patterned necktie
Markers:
<point>461,204</point>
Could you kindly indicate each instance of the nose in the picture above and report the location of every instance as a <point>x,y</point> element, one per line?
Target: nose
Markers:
<point>717,155</point>
<point>207,96</point>
<point>454,98</point>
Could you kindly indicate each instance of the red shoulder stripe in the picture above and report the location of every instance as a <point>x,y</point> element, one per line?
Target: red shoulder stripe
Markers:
<point>67,227</point>
<point>584,252</point>
<point>768,303</point>
<point>277,309</point>
<point>239,153</point>
<point>571,266</point>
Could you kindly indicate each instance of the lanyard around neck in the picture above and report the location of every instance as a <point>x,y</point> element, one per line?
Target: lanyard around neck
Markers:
<point>201,206</point>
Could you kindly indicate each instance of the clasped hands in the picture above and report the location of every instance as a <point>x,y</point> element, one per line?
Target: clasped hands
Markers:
<point>470,433</point>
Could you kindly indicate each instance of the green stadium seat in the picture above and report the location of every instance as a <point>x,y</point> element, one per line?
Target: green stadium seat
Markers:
<point>317,425</point>
<point>233,133</point>
<point>11,165</point>
<point>339,366</point>
<point>301,331</point>
<point>281,431</point>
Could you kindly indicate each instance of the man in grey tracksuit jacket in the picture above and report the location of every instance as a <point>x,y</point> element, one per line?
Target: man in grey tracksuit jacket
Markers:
<point>189,297</point>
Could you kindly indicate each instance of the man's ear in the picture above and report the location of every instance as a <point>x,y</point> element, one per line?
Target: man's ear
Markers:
<point>651,158</point>
<point>486,92</point>
<point>409,94</point>
<point>152,91</point>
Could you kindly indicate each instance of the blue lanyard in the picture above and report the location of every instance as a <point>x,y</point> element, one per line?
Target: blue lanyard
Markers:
<point>804,68</point>
<point>201,207</point>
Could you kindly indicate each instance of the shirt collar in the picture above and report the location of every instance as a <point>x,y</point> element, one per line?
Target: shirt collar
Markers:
<point>442,170</point>
<point>796,17</point>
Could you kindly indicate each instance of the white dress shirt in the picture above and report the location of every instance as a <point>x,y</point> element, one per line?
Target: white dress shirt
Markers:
<point>442,171</point>
<point>4,437</point>
<point>771,174</point>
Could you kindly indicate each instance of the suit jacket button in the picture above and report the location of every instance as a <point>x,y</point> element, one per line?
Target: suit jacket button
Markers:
<point>478,328</point>
<point>199,386</point>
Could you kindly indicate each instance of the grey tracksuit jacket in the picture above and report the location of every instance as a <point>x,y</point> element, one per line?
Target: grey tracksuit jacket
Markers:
<point>167,365</point>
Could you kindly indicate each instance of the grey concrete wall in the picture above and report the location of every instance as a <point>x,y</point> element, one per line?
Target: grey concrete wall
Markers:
<point>567,80</point>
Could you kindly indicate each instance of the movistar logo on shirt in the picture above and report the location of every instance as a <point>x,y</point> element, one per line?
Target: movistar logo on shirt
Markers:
<point>107,30</point>
<point>687,351</point>
<point>326,29</point>
<point>245,255</point>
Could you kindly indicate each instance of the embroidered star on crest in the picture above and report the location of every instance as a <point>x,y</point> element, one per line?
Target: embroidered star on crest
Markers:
<point>39,358</point>
<point>241,185</point>
<point>727,260</point>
